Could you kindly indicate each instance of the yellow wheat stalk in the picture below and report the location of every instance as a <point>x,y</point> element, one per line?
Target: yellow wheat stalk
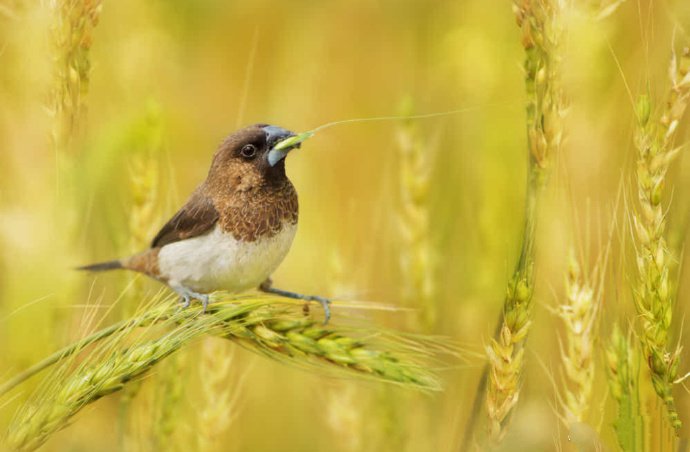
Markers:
<point>271,326</point>
<point>579,314</point>
<point>541,37</point>
<point>416,256</point>
<point>167,415</point>
<point>144,179</point>
<point>345,403</point>
<point>654,292</point>
<point>71,33</point>
<point>143,184</point>
<point>143,187</point>
<point>73,24</point>
<point>221,387</point>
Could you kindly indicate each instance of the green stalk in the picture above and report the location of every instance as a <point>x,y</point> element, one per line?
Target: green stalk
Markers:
<point>654,293</point>
<point>623,370</point>
<point>500,382</point>
<point>58,356</point>
<point>267,325</point>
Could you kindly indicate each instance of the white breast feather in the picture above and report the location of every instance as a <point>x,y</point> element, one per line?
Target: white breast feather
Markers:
<point>218,261</point>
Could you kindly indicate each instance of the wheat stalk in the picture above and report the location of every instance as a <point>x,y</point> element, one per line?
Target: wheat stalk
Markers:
<point>345,403</point>
<point>416,256</point>
<point>221,386</point>
<point>143,182</point>
<point>167,414</point>
<point>541,36</point>
<point>74,21</point>
<point>624,388</point>
<point>52,411</point>
<point>271,326</point>
<point>579,315</point>
<point>653,293</point>
<point>71,32</point>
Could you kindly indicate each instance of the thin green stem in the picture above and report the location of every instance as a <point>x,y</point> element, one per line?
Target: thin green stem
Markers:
<point>534,185</point>
<point>57,356</point>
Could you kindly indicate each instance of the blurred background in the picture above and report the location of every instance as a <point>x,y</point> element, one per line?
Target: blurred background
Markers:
<point>424,214</point>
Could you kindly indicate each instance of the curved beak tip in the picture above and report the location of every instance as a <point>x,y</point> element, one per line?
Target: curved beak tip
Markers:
<point>283,141</point>
<point>275,156</point>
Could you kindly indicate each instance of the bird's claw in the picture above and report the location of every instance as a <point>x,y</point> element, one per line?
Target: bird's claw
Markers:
<point>185,301</point>
<point>187,295</point>
<point>325,304</point>
<point>204,302</point>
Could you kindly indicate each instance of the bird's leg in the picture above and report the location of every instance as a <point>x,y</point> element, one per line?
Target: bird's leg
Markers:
<point>267,287</point>
<point>186,296</point>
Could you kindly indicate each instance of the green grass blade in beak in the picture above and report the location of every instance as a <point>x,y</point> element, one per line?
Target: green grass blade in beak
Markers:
<point>293,141</point>
<point>281,149</point>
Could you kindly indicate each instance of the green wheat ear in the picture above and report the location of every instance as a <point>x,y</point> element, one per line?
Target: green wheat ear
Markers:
<point>267,325</point>
<point>294,140</point>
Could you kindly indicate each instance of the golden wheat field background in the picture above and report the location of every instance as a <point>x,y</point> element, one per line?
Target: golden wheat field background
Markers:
<point>507,276</point>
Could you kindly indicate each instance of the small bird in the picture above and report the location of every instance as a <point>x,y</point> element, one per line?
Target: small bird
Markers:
<point>234,230</point>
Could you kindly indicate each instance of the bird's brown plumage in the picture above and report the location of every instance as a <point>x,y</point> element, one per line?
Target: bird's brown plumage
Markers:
<point>196,217</point>
<point>248,198</point>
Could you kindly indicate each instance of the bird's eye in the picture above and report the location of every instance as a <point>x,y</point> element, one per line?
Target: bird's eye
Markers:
<point>248,151</point>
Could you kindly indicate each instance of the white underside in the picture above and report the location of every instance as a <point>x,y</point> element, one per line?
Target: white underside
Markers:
<point>218,261</point>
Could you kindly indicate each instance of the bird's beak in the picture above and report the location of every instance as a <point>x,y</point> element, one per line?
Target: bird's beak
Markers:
<point>282,141</point>
<point>275,137</point>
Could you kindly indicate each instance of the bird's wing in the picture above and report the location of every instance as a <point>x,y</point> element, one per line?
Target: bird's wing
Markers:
<point>196,217</point>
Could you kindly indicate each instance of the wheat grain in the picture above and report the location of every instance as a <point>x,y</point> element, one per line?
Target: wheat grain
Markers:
<point>654,292</point>
<point>579,315</point>
<point>221,385</point>
<point>541,37</point>
<point>74,21</point>
<point>416,255</point>
<point>270,326</point>
<point>37,421</point>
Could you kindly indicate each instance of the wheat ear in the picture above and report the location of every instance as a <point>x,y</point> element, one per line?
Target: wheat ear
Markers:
<point>653,293</point>
<point>541,36</point>
<point>271,326</point>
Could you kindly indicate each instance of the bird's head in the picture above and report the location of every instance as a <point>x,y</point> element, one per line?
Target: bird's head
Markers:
<point>248,159</point>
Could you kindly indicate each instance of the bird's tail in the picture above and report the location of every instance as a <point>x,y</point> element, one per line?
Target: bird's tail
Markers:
<point>102,266</point>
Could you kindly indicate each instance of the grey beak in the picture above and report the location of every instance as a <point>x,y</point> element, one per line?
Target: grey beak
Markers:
<point>275,135</point>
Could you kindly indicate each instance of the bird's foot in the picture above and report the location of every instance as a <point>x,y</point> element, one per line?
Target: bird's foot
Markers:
<point>324,302</point>
<point>186,296</point>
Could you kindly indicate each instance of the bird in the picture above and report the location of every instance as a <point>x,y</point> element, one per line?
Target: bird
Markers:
<point>234,230</point>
